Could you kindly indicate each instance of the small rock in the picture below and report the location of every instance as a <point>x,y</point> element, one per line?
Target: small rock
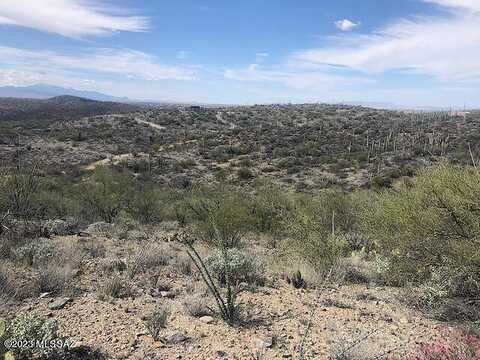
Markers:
<point>59,303</point>
<point>264,342</point>
<point>176,338</point>
<point>207,319</point>
<point>167,294</point>
<point>221,353</point>
<point>44,295</point>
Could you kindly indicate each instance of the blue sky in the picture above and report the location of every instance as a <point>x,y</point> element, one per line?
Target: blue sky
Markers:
<point>407,52</point>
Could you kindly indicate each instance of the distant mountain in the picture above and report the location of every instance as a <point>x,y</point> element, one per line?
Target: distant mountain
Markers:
<point>43,91</point>
<point>58,108</point>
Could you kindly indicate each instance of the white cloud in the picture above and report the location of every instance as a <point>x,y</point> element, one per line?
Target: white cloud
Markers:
<point>471,5</point>
<point>71,18</point>
<point>345,25</point>
<point>291,77</point>
<point>446,48</point>
<point>120,62</point>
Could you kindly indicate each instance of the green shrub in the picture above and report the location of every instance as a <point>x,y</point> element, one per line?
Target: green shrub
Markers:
<point>430,224</point>
<point>105,195</point>
<point>145,205</point>
<point>32,327</point>
<point>222,217</point>
<point>270,207</point>
<point>242,267</point>
<point>245,173</point>
<point>37,252</point>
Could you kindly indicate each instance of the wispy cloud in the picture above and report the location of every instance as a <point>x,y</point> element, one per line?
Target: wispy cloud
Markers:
<point>124,63</point>
<point>292,77</point>
<point>345,25</point>
<point>447,47</point>
<point>71,18</point>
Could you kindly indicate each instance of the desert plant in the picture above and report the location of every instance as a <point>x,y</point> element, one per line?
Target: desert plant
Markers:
<point>32,327</point>
<point>296,280</point>
<point>115,286</point>
<point>428,225</point>
<point>105,195</point>
<point>37,252</point>
<point>157,321</point>
<point>243,267</point>
<point>222,217</point>
<point>197,305</point>
<point>228,306</point>
<point>18,188</point>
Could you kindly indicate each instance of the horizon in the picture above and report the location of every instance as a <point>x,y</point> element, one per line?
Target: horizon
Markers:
<point>404,54</point>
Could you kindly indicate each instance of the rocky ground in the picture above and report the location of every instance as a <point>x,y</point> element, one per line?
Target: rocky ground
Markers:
<point>275,315</point>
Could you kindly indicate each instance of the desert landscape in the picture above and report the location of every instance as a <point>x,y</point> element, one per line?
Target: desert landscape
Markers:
<point>276,231</point>
<point>239,180</point>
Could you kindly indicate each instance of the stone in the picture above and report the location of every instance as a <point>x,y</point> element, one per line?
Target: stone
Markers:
<point>176,338</point>
<point>207,319</point>
<point>44,295</point>
<point>59,303</point>
<point>167,294</point>
<point>264,342</point>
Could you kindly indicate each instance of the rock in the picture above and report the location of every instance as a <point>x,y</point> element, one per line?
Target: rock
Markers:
<point>264,342</point>
<point>44,295</point>
<point>176,338</point>
<point>221,353</point>
<point>167,294</point>
<point>207,319</point>
<point>59,303</point>
<point>99,228</point>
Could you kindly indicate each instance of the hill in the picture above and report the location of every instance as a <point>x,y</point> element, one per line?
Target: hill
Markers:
<point>45,91</point>
<point>56,108</point>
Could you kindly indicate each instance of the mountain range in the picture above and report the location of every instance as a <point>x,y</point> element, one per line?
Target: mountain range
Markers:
<point>44,91</point>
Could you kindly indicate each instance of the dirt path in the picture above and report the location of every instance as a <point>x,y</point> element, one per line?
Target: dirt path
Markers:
<point>155,126</point>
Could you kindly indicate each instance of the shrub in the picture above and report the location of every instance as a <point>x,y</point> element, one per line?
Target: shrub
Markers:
<point>242,267</point>
<point>146,258</point>
<point>146,205</point>
<point>222,217</point>
<point>156,322</point>
<point>30,326</point>
<point>7,284</point>
<point>245,173</point>
<point>227,305</point>
<point>37,252</point>
<point>18,188</point>
<point>105,195</point>
<point>431,224</point>
<point>115,286</point>
<point>54,278</point>
<point>197,305</point>
<point>270,207</point>
<point>183,265</point>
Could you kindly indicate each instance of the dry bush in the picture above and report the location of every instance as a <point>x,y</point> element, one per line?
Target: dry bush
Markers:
<point>147,258</point>
<point>113,287</point>
<point>55,278</point>
<point>197,305</point>
<point>157,321</point>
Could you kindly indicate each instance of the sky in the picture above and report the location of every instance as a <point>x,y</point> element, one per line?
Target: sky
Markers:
<point>404,52</point>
